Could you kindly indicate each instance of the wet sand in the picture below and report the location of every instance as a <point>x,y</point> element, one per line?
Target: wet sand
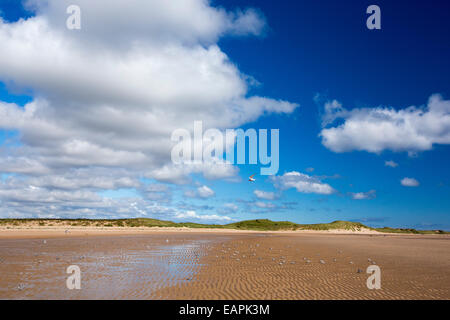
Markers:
<point>224,265</point>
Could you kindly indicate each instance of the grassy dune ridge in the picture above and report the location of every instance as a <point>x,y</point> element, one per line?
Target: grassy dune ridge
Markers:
<point>257,225</point>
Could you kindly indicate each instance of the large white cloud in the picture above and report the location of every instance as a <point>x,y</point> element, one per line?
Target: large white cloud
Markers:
<point>412,129</point>
<point>107,97</point>
<point>122,22</point>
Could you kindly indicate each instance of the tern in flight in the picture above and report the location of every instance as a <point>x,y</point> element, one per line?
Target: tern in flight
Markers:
<point>251,179</point>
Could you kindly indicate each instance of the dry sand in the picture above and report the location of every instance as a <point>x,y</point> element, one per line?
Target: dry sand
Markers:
<point>218,264</point>
<point>35,231</point>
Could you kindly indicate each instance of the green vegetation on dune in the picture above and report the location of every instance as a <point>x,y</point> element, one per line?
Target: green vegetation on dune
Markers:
<point>257,225</point>
<point>136,222</point>
<point>263,225</point>
<point>402,230</point>
<point>343,225</point>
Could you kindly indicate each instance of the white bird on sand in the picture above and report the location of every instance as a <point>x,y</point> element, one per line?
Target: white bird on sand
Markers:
<point>251,179</point>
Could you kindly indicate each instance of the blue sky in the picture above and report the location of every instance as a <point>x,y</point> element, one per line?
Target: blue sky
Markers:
<point>308,53</point>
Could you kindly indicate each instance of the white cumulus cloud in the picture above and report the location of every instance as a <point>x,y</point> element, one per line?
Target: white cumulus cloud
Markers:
<point>192,215</point>
<point>412,129</point>
<point>363,195</point>
<point>266,195</point>
<point>201,192</point>
<point>409,182</point>
<point>391,164</point>
<point>301,182</point>
<point>264,205</point>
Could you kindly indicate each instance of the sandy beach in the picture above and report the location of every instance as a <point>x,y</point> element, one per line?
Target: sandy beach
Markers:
<point>183,263</point>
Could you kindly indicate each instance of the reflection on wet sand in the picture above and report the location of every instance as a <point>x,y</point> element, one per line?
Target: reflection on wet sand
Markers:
<point>119,267</point>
